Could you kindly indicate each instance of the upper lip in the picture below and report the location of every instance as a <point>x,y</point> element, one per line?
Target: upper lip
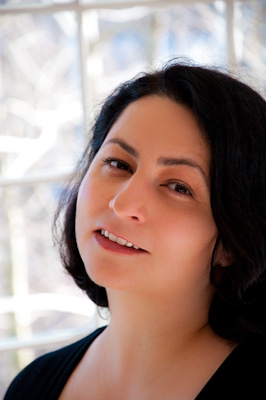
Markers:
<point>120,236</point>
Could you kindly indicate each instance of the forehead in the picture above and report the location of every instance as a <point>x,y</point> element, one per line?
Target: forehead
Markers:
<point>158,126</point>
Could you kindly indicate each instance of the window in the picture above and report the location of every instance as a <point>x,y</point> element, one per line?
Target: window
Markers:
<point>58,60</point>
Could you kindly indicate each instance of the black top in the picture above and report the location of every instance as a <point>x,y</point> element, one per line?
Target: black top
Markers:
<point>241,376</point>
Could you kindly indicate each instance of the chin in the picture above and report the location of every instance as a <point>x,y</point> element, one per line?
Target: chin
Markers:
<point>109,276</point>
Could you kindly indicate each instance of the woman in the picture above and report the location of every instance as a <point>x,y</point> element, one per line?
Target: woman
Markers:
<point>165,224</point>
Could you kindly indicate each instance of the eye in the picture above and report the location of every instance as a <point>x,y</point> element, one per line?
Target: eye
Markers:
<point>117,164</point>
<point>179,188</point>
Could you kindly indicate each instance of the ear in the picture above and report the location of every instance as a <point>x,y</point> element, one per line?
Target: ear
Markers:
<point>222,257</point>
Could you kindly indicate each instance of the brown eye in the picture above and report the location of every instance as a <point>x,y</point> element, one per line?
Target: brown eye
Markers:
<point>177,187</point>
<point>117,164</point>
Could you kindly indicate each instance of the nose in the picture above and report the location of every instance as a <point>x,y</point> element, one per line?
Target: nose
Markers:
<point>129,201</point>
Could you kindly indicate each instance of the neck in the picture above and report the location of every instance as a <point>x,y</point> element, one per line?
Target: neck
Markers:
<point>151,332</point>
<point>152,341</point>
<point>146,318</point>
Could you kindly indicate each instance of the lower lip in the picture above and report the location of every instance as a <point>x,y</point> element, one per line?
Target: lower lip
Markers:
<point>115,247</point>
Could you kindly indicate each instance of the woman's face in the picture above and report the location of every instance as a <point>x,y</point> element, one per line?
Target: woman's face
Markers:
<point>149,186</point>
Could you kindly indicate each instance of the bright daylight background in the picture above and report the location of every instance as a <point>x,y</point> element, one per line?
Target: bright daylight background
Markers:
<point>57,62</point>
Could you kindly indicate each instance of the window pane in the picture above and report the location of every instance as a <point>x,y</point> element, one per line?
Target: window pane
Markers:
<point>250,41</point>
<point>30,264</point>
<point>41,128</point>
<point>121,43</point>
<point>41,118</point>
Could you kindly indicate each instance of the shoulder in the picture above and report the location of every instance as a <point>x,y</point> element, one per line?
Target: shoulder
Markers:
<point>46,376</point>
<point>248,359</point>
<point>242,375</point>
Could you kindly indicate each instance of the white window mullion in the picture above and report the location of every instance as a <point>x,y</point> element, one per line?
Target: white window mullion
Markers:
<point>122,4</point>
<point>83,74</point>
<point>231,55</point>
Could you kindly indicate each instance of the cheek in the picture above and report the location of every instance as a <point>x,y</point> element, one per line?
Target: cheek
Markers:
<point>89,201</point>
<point>188,251</point>
<point>190,233</point>
<point>92,206</point>
<point>91,196</point>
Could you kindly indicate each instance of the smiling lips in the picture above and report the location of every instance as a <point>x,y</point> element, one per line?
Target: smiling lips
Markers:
<point>118,240</point>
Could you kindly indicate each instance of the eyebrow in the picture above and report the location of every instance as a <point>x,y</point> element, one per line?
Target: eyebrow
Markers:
<point>162,161</point>
<point>124,146</point>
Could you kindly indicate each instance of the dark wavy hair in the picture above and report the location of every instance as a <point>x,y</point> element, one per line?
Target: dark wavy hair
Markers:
<point>233,119</point>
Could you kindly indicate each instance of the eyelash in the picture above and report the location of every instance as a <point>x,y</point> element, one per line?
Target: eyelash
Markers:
<point>182,187</point>
<point>108,161</point>
<point>184,190</point>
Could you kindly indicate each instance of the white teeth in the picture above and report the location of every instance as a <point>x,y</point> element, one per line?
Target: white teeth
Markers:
<point>121,241</point>
<point>118,240</point>
<point>112,237</point>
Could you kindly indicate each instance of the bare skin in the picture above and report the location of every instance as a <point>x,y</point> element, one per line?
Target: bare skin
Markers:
<point>159,343</point>
<point>146,365</point>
